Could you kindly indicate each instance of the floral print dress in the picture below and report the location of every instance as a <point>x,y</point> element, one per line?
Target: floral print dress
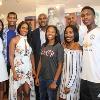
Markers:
<point>23,68</point>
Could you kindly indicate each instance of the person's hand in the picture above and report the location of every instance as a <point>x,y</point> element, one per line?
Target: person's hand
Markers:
<point>66,90</point>
<point>37,82</point>
<point>15,76</point>
<point>34,73</point>
<point>53,85</point>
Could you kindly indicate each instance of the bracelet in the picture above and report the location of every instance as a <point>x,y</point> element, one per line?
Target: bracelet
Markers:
<point>55,81</point>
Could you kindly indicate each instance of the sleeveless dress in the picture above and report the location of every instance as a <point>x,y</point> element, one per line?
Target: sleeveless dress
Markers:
<point>71,74</point>
<point>3,68</point>
<point>23,68</point>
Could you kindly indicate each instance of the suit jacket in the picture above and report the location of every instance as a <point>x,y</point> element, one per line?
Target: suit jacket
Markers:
<point>36,45</point>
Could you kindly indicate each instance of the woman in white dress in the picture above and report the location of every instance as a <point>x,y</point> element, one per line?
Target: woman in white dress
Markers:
<point>3,69</point>
<point>70,79</point>
<point>22,65</point>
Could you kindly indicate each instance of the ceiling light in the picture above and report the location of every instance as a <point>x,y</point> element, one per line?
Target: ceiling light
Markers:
<point>79,7</point>
<point>0,2</point>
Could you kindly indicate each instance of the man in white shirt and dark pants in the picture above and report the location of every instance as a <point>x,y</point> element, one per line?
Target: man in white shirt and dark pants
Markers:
<point>38,38</point>
<point>90,78</point>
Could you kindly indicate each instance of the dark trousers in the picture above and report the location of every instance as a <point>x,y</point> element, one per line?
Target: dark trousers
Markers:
<point>37,93</point>
<point>7,81</point>
<point>8,68</point>
<point>89,90</point>
<point>45,92</point>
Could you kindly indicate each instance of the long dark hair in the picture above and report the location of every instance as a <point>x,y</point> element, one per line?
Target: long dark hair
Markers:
<point>75,31</point>
<point>57,37</point>
<point>1,31</point>
<point>29,31</point>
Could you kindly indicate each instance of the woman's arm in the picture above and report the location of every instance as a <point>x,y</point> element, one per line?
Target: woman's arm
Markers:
<point>33,65</point>
<point>38,72</point>
<point>53,85</point>
<point>11,57</point>
<point>39,68</point>
<point>60,59</point>
<point>58,72</point>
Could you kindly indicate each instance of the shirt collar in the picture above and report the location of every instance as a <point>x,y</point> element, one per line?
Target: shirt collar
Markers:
<point>6,29</point>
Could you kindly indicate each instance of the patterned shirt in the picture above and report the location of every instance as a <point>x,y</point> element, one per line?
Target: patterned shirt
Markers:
<point>5,41</point>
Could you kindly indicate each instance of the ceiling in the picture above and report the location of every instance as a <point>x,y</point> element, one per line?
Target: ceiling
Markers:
<point>20,6</point>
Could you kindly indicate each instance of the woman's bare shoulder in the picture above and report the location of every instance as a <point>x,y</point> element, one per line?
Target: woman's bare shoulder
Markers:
<point>15,39</point>
<point>77,46</point>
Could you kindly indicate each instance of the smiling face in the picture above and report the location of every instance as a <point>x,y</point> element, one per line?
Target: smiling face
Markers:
<point>42,20</point>
<point>23,29</point>
<point>12,19</point>
<point>51,33</point>
<point>69,35</point>
<point>87,17</point>
<point>72,20</point>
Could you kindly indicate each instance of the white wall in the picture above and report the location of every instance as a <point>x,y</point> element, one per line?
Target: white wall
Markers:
<point>96,8</point>
<point>44,9</point>
<point>21,17</point>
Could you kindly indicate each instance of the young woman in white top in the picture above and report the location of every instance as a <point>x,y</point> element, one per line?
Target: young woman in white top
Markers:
<point>3,69</point>
<point>70,79</point>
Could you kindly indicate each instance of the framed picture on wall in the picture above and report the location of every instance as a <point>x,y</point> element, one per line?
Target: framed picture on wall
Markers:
<point>32,21</point>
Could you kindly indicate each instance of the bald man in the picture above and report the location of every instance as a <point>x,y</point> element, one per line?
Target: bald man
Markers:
<point>38,38</point>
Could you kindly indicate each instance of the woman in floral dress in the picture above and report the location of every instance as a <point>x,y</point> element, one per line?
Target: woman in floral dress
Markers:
<point>22,66</point>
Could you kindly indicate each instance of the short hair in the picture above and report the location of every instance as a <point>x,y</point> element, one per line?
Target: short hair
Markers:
<point>88,7</point>
<point>42,14</point>
<point>13,13</point>
<point>57,38</point>
<point>75,31</point>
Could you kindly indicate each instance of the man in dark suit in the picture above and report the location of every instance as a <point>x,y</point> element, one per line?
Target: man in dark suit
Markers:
<point>38,38</point>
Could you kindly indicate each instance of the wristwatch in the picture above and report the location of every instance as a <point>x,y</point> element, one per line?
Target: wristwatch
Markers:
<point>55,81</point>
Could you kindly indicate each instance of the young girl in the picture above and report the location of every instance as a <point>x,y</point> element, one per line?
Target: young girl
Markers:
<point>70,78</point>
<point>3,69</point>
<point>50,64</point>
<point>22,65</point>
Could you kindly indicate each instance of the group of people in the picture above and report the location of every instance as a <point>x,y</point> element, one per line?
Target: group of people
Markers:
<point>40,66</point>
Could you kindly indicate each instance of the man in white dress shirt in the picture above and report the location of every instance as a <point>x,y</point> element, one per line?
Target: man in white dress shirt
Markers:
<point>38,38</point>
